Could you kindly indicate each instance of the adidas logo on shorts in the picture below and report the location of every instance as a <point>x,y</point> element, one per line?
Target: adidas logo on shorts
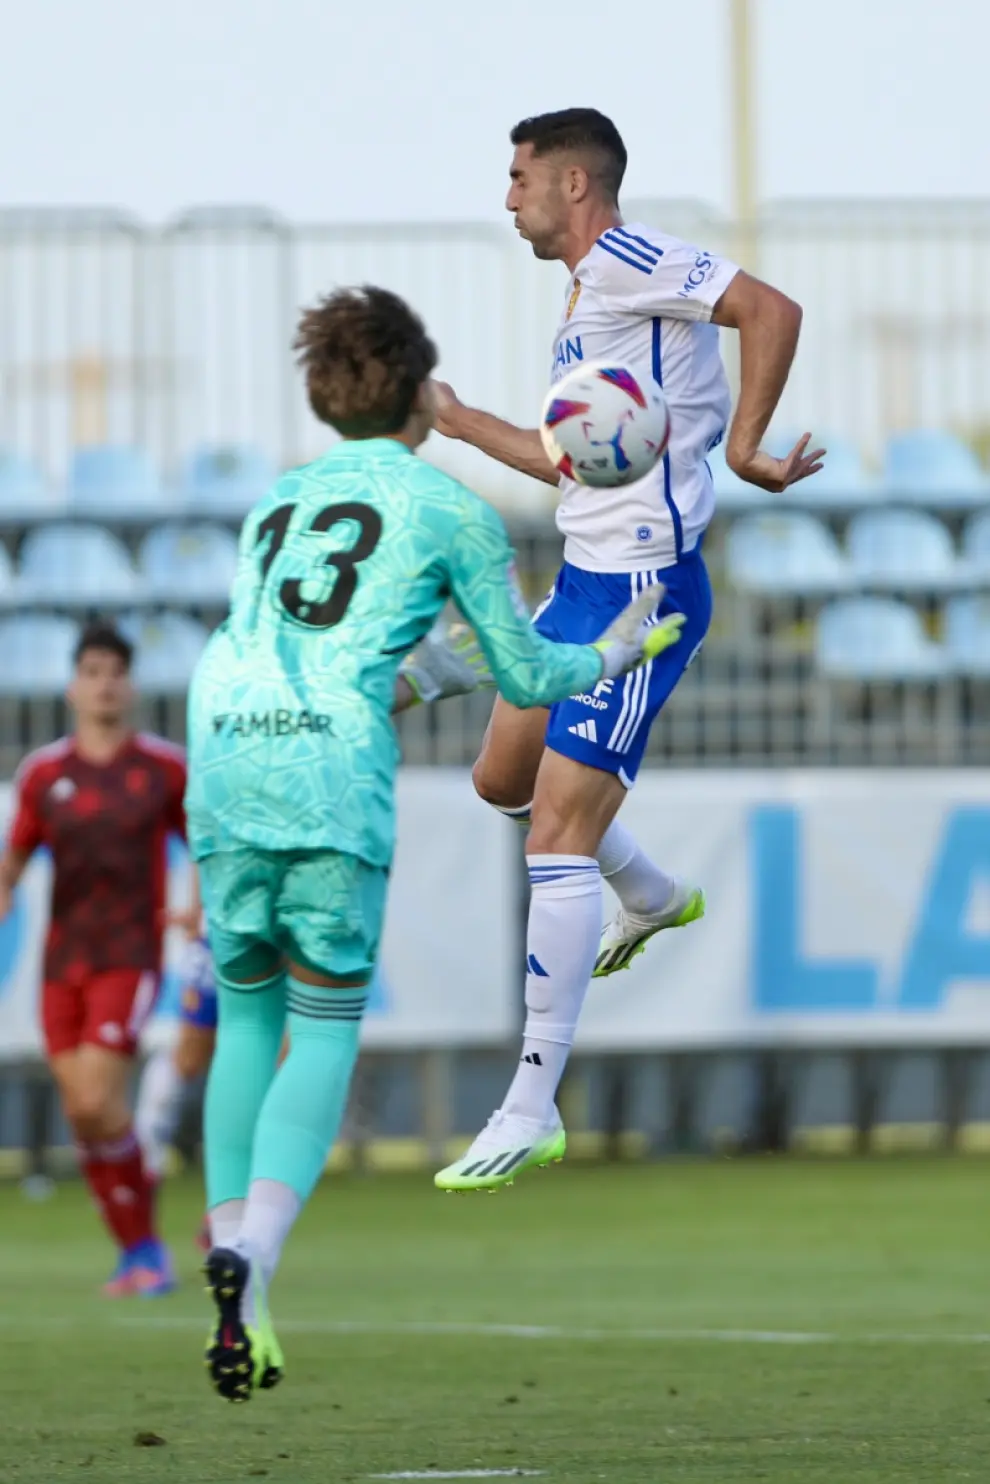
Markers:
<point>585,729</point>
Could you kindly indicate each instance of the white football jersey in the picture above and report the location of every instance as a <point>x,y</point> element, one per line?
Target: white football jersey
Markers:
<point>644,300</point>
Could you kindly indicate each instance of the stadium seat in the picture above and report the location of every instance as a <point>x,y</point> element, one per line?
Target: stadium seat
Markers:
<point>976,545</point>
<point>967,633</point>
<point>23,491</point>
<point>731,492</point>
<point>75,564</point>
<point>111,480</point>
<point>784,551</point>
<point>906,549</point>
<point>875,639</point>
<point>933,468</point>
<point>37,654</point>
<point>226,481</point>
<point>167,646</point>
<point>844,481</point>
<point>7,581</point>
<point>188,563</point>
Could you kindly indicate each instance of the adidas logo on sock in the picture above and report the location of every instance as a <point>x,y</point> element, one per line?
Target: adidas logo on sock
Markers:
<point>585,729</point>
<point>533,1059</point>
<point>535,967</point>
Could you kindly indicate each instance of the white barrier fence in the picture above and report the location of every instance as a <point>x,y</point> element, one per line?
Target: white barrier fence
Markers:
<point>845,908</point>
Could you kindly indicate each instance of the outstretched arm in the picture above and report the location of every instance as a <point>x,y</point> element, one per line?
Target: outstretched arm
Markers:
<point>518,448</point>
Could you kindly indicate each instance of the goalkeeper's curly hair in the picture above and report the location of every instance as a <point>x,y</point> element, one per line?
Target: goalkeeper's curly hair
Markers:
<point>365,354</point>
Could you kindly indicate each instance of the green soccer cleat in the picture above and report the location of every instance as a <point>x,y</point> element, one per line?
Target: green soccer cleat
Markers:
<point>627,935</point>
<point>240,1357</point>
<point>506,1146</point>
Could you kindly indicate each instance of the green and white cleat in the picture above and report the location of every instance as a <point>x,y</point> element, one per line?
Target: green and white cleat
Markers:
<point>627,935</point>
<point>241,1358</point>
<point>506,1146</point>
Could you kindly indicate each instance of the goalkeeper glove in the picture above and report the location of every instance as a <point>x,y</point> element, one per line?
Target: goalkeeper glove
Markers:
<point>632,639</point>
<point>450,664</point>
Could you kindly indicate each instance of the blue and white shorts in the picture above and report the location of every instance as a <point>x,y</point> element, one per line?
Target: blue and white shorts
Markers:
<point>609,728</point>
<point>199,992</point>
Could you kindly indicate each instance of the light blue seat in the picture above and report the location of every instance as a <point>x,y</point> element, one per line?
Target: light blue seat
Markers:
<point>843,483</point>
<point>23,491</point>
<point>933,468</point>
<point>188,563</point>
<point>876,639</point>
<point>976,545</point>
<point>784,551</point>
<point>227,480</point>
<point>64,563</point>
<point>115,480</point>
<point>37,654</point>
<point>7,582</point>
<point>906,549</point>
<point>967,633</point>
<point>166,648</point>
<point>731,492</point>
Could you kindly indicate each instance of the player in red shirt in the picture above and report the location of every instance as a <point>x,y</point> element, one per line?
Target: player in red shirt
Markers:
<point>104,801</point>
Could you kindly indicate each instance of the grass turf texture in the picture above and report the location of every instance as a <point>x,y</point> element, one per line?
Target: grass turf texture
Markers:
<point>884,1261</point>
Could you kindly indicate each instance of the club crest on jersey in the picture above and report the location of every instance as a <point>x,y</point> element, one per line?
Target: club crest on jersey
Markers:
<point>572,301</point>
<point>62,789</point>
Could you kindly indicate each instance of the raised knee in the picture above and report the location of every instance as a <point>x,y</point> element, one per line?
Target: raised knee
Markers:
<point>487,786</point>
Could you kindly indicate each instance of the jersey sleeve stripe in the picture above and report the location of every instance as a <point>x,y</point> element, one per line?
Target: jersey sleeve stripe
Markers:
<point>631,262</point>
<point>654,253</point>
<point>668,493</point>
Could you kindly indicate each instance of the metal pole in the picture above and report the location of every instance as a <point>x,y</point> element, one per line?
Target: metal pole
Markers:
<point>743,125</point>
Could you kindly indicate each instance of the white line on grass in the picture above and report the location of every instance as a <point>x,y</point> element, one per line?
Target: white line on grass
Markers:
<point>531,1331</point>
<point>463,1474</point>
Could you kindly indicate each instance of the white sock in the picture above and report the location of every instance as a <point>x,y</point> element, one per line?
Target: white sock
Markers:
<point>270,1215</point>
<point>565,920</point>
<point>156,1115</point>
<point>520,816</point>
<point>642,888</point>
<point>225,1222</point>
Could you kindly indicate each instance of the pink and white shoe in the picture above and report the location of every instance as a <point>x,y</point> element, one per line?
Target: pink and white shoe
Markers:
<point>120,1283</point>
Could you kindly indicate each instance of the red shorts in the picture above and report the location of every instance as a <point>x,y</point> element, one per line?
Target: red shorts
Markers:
<point>107,1009</point>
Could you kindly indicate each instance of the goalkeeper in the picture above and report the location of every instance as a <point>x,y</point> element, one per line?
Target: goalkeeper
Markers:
<point>343,569</point>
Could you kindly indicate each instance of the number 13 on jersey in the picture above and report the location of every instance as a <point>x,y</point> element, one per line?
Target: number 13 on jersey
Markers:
<point>328,612</point>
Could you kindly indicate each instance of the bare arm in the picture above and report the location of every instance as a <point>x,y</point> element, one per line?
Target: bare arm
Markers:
<point>518,448</point>
<point>12,865</point>
<point>769,324</point>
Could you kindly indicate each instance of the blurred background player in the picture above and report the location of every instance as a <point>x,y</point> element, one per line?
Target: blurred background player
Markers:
<point>172,1073</point>
<point>103,801</point>
<point>639,298</point>
<point>343,568</point>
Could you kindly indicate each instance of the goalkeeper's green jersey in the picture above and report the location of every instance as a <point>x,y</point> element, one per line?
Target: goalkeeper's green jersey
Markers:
<point>343,568</point>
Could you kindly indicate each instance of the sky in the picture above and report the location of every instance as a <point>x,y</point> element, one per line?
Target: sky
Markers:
<point>387,110</point>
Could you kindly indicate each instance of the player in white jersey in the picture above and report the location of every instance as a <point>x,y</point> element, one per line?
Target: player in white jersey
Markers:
<point>641,298</point>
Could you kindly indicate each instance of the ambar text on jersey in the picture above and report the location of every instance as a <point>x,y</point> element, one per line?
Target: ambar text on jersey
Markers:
<point>281,723</point>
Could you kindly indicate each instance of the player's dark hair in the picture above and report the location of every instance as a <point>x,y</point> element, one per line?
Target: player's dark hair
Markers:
<point>104,636</point>
<point>581,131</point>
<point>365,355</point>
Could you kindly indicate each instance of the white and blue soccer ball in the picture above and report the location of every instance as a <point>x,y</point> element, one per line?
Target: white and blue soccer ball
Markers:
<point>604,424</point>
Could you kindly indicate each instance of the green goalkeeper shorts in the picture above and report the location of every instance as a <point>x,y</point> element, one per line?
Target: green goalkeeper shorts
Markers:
<point>318,908</point>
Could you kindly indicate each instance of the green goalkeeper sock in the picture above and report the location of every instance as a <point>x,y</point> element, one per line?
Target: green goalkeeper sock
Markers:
<point>304,1108</point>
<point>249,1035</point>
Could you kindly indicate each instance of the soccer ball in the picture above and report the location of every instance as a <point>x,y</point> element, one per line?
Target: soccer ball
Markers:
<point>604,424</point>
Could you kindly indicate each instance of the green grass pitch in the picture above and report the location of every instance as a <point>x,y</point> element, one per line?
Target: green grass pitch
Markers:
<point>727,1321</point>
